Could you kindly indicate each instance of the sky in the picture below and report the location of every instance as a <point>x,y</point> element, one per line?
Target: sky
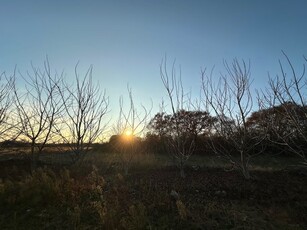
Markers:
<point>126,40</point>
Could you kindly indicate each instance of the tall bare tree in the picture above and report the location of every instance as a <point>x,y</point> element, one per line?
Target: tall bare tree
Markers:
<point>6,101</point>
<point>129,127</point>
<point>180,145</point>
<point>132,119</point>
<point>230,100</point>
<point>287,91</point>
<point>83,121</point>
<point>37,108</point>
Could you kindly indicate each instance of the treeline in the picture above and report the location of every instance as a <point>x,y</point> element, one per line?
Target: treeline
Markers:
<point>228,120</point>
<point>267,130</point>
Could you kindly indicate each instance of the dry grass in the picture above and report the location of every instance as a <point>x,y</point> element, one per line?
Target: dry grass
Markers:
<point>103,197</point>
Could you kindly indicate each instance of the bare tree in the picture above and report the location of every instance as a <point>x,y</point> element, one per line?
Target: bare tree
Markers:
<point>230,100</point>
<point>37,108</point>
<point>85,107</point>
<point>129,127</point>
<point>6,99</point>
<point>180,145</point>
<point>287,96</point>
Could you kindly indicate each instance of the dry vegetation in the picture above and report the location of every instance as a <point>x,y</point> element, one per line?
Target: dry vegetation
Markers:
<point>152,196</point>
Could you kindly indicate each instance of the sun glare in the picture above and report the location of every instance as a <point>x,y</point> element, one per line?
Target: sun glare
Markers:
<point>128,132</point>
<point>128,136</point>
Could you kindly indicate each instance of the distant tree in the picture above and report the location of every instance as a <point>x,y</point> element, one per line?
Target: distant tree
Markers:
<point>37,109</point>
<point>83,119</point>
<point>277,126</point>
<point>194,125</point>
<point>160,125</point>
<point>154,143</point>
<point>231,102</point>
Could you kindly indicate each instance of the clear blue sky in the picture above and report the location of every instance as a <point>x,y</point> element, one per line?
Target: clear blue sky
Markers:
<point>125,41</point>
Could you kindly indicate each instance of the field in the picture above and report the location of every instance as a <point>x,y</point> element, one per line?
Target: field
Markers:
<point>100,194</point>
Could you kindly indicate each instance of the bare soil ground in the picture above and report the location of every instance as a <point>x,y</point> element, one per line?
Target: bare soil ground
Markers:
<point>157,198</point>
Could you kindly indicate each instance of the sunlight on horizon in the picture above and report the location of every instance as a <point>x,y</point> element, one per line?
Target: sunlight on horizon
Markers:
<point>128,133</point>
<point>128,136</point>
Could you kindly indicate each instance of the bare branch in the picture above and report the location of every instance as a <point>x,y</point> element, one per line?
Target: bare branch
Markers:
<point>85,107</point>
<point>230,100</point>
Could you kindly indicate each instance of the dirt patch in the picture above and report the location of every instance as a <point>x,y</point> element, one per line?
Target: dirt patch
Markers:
<point>208,198</point>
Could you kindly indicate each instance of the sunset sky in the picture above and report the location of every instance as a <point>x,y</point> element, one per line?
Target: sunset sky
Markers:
<point>125,41</point>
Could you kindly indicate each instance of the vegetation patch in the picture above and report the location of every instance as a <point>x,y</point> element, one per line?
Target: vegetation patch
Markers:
<point>157,198</point>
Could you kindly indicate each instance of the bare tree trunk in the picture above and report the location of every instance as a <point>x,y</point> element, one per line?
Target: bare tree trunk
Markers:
<point>34,156</point>
<point>244,166</point>
<point>182,172</point>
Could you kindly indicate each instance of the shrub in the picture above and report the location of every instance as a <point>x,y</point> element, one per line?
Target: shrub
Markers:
<point>45,196</point>
<point>137,217</point>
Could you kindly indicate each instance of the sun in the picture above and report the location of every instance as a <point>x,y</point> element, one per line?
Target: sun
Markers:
<point>128,133</point>
<point>128,136</point>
